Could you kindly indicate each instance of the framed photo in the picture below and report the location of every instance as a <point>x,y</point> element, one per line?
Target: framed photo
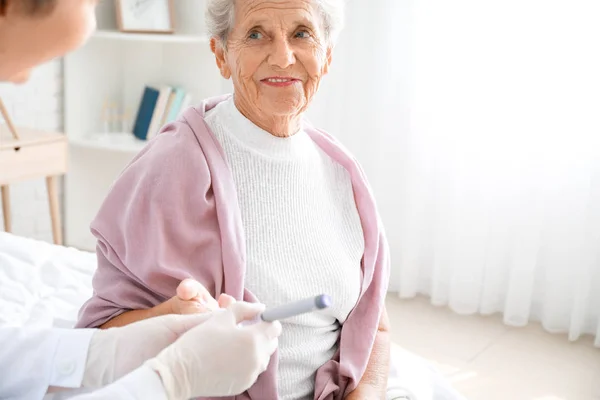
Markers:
<point>145,16</point>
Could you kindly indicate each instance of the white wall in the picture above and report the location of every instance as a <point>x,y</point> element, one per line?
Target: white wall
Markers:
<point>37,104</point>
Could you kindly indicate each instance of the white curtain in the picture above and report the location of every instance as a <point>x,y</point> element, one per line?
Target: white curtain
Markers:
<point>478,123</point>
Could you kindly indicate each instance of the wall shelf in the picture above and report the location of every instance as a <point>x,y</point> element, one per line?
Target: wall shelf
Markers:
<point>121,142</point>
<point>150,37</point>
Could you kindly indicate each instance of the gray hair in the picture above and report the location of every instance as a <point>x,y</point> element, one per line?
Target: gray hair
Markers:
<point>220,16</point>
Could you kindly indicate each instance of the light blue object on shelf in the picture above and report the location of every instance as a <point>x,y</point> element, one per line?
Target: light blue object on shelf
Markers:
<point>176,105</point>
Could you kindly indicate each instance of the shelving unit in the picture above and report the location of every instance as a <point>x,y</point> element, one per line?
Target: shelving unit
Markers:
<point>123,142</point>
<point>115,66</point>
<point>145,37</point>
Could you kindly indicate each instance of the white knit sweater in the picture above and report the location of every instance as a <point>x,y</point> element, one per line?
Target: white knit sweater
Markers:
<point>303,237</point>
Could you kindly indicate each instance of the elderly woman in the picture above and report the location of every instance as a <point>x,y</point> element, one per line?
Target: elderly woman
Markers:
<point>245,197</point>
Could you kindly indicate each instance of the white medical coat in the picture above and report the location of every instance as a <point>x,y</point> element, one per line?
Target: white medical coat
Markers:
<point>33,359</point>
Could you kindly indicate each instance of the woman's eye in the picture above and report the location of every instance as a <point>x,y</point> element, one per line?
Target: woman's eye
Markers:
<point>255,35</point>
<point>302,34</point>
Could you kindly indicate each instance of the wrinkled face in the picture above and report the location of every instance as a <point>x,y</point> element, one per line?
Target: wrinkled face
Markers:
<point>27,41</point>
<point>276,55</point>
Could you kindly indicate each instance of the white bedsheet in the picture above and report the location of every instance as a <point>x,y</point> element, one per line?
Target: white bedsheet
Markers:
<point>45,285</point>
<point>42,284</point>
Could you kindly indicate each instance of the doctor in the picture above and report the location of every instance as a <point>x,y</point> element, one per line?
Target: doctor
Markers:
<point>173,357</point>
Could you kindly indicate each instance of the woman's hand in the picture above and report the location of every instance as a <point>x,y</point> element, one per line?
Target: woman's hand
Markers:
<point>193,298</point>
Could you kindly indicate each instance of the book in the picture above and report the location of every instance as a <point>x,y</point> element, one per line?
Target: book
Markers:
<point>168,108</point>
<point>187,101</point>
<point>159,109</point>
<point>176,105</point>
<point>145,113</point>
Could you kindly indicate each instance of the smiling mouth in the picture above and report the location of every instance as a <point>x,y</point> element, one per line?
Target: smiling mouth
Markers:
<point>279,81</point>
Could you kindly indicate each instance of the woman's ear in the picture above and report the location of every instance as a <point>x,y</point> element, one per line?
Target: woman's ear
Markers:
<point>327,60</point>
<point>217,48</point>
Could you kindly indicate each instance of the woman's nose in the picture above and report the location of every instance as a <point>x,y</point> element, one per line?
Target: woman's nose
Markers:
<point>282,54</point>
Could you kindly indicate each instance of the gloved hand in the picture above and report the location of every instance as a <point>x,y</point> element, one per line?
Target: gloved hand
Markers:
<point>218,357</point>
<point>115,352</point>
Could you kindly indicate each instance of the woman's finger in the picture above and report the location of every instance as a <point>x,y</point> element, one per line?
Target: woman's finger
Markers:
<point>191,289</point>
<point>225,300</point>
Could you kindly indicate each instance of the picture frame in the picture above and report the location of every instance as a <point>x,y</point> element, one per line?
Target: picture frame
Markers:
<point>145,16</point>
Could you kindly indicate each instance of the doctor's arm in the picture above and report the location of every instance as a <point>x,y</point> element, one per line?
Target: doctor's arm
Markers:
<point>141,384</point>
<point>169,352</point>
<point>181,370</point>
<point>33,359</point>
<point>36,361</point>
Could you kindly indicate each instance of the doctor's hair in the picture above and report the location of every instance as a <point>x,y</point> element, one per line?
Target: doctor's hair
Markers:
<point>30,7</point>
<point>220,17</point>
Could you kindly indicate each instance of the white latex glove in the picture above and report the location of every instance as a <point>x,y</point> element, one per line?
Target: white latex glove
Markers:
<point>115,352</point>
<point>218,358</point>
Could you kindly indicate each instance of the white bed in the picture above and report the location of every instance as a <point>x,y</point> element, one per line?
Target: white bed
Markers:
<point>42,284</point>
<point>45,285</point>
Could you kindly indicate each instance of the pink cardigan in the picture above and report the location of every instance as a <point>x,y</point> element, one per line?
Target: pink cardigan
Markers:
<point>173,214</point>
